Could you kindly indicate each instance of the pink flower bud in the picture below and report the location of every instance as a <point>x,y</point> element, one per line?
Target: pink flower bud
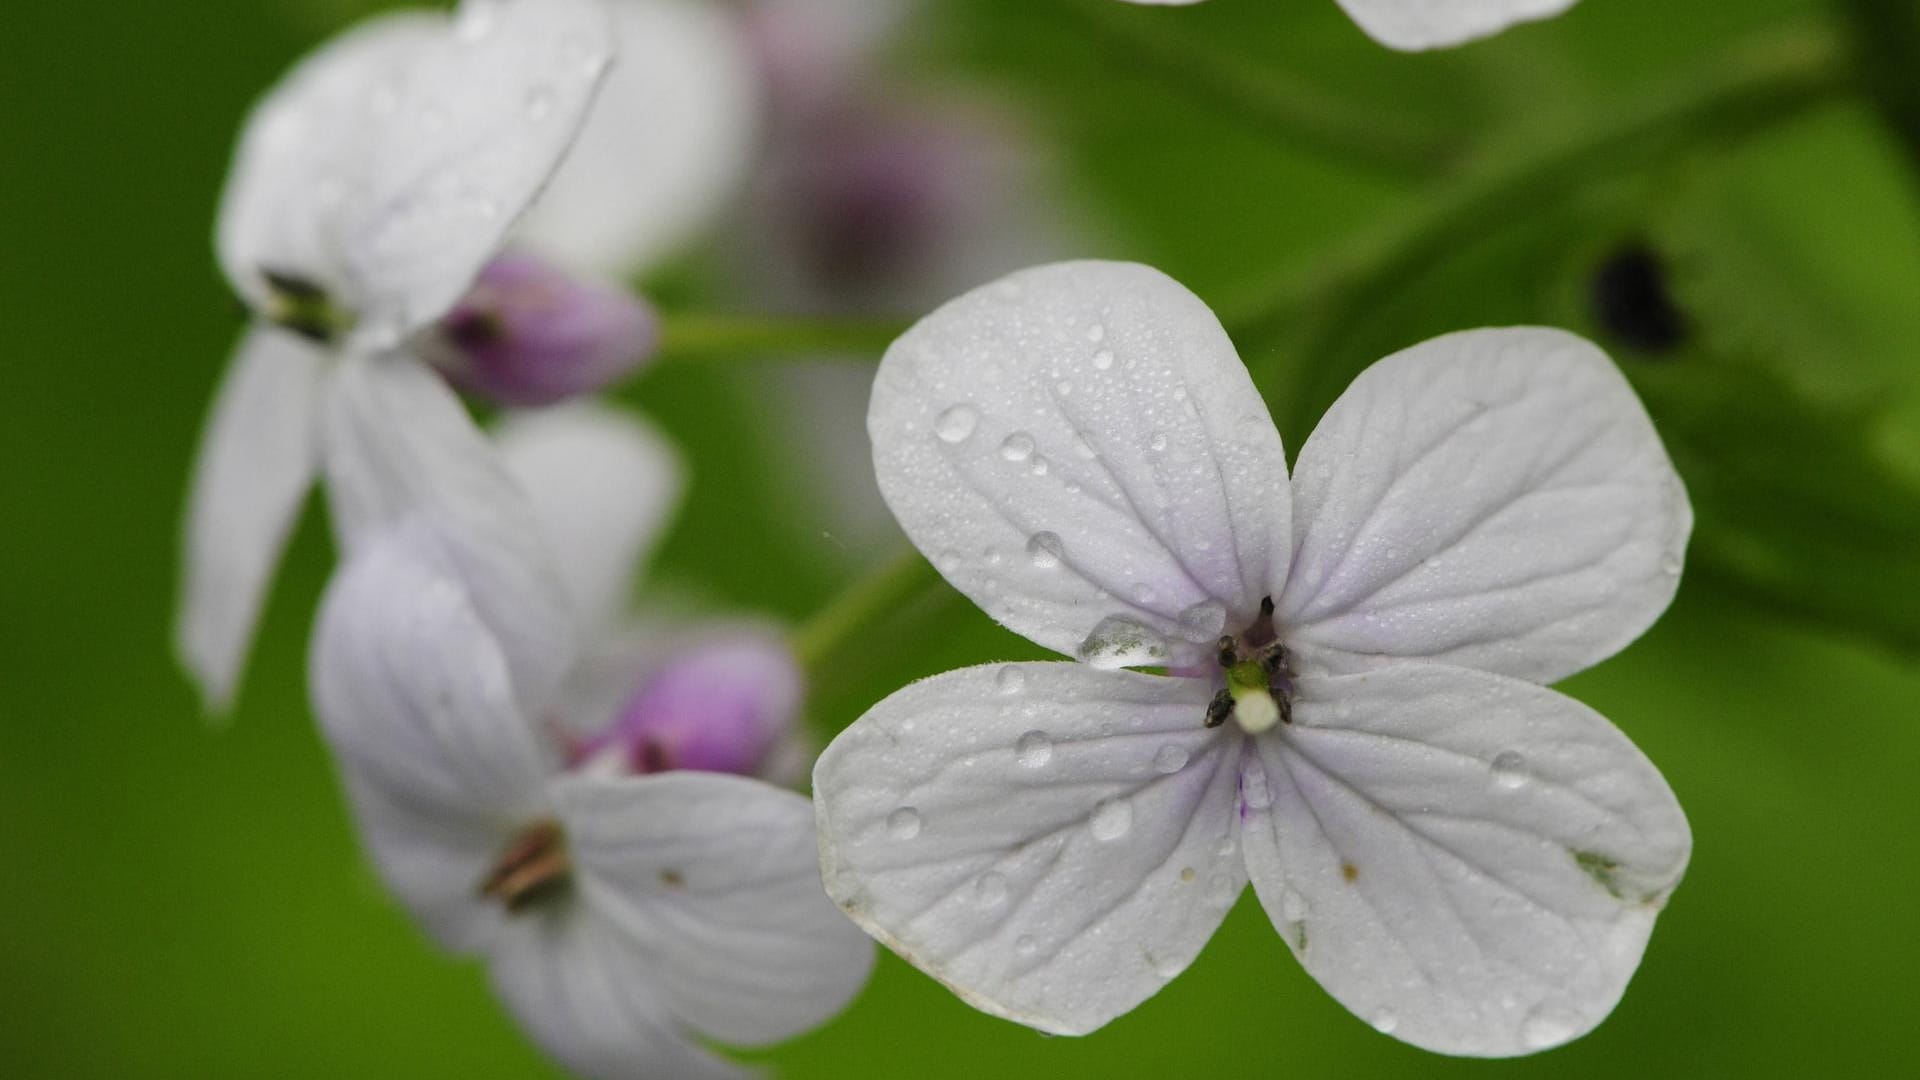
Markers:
<point>529,334</point>
<point>722,706</point>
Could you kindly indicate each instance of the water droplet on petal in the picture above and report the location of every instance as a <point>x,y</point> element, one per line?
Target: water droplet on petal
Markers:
<point>1670,566</point>
<point>1157,441</point>
<point>1063,388</point>
<point>1033,750</point>
<point>1225,847</point>
<point>904,823</point>
<point>1096,333</point>
<point>1082,447</point>
<point>1017,447</point>
<point>1293,906</point>
<point>1143,594</point>
<point>1103,360</point>
<point>1385,1021</point>
<point>1253,789</point>
<point>1547,1026</point>
<point>1170,758</point>
<point>539,102</point>
<point>1165,965</point>
<point>956,424</point>
<point>1119,642</point>
<point>1010,679</point>
<point>1205,619</point>
<point>1025,945</point>
<point>990,890</point>
<point>1509,770</point>
<point>1046,550</point>
<point>1111,820</point>
<point>1039,466</point>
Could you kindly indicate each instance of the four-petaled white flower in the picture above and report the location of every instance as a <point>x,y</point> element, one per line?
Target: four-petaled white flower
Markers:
<point>378,182</point>
<point>626,906</point>
<point>1352,713</point>
<point>1413,25</point>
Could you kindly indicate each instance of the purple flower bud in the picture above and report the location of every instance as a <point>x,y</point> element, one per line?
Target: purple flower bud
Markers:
<point>529,334</point>
<point>722,706</point>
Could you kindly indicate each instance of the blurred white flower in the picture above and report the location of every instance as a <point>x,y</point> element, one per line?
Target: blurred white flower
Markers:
<point>536,803</point>
<point>1414,25</point>
<point>1352,712</point>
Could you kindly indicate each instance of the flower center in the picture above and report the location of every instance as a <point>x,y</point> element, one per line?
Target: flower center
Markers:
<point>303,307</point>
<point>533,869</point>
<point>1259,690</point>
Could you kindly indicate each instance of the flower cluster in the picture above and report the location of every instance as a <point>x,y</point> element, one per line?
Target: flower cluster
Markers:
<point>1329,684</point>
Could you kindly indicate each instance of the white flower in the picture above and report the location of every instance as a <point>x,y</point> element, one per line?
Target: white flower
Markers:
<point>369,188</point>
<point>624,917</point>
<point>1463,858</point>
<point>1413,25</point>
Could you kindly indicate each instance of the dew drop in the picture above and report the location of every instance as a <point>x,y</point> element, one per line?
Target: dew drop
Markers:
<point>1063,388</point>
<point>1103,360</point>
<point>1170,759</point>
<point>1038,467</point>
<point>1017,447</point>
<point>1509,770</point>
<point>1045,549</point>
<point>1165,965</point>
<point>1025,945</point>
<point>1096,333</point>
<point>539,103</point>
<point>1143,594</point>
<point>904,823</point>
<point>1112,819</point>
<point>990,889</point>
<point>956,424</point>
<point>1206,619</point>
<point>1293,906</point>
<point>1118,642</point>
<point>1225,847</point>
<point>1010,679</point>
<point>1033,750</point>
<point>1082,447</point>
<point>1384,1021</point>
<point>1253,789</point>
<point>1546,1027</point>
<point>1157,441</point>
<point>1670,566</point>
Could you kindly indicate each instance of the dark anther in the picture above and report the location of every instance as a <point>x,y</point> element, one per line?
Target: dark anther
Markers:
<point>1273,659</point>
<point>294,287</point>
<point>532,869</point>
<point>1632,303</point>
<point>1266,607</point>
<point>1219,708</point>
<point>1229,653</point>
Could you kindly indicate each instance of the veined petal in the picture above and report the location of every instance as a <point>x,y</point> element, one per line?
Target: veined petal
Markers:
<point>386,168</point>
<point>1077,443</point>
<point>255,464</point>
<point>604,485</point>
<point>584,995</point>
<point>398,447</point>
<point>415,696</point>
<point>714,880</point>
<point>1470,863</point>
<point>666,144</point>
<point>1496,499</point>
<point>1052,842</point>
<point>1414,25</point>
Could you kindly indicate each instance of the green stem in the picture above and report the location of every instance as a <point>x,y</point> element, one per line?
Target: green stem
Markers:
<point>1885,36</point>
<point>698,338</point>
<point>889,587</point>
<point>1751,91</point>
<point>1300,113</point>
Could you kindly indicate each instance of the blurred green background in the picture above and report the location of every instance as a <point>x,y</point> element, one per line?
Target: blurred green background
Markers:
<point>181,899</point>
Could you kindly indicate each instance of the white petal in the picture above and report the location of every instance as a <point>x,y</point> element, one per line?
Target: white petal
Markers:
<point>1496,499</point>
<point>603,484</point>
<point>400,447</point>
<point>665,147</point>
<point>1079,442</point>
<point>1469,862</point>
<point>415,696</point>
<point>715,881</point>
<point>255,464</point>
<point>1413,25</point>
<point>386,168</point>
<point>1054,843</point>
<point>586,998</point>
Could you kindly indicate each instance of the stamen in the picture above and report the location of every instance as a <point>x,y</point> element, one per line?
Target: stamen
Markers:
<point>302,306</point>
<point>535,867</point>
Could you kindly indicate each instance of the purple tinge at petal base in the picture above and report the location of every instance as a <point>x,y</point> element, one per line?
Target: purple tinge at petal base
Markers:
<point>529,334</point>
<point>718,707</point>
